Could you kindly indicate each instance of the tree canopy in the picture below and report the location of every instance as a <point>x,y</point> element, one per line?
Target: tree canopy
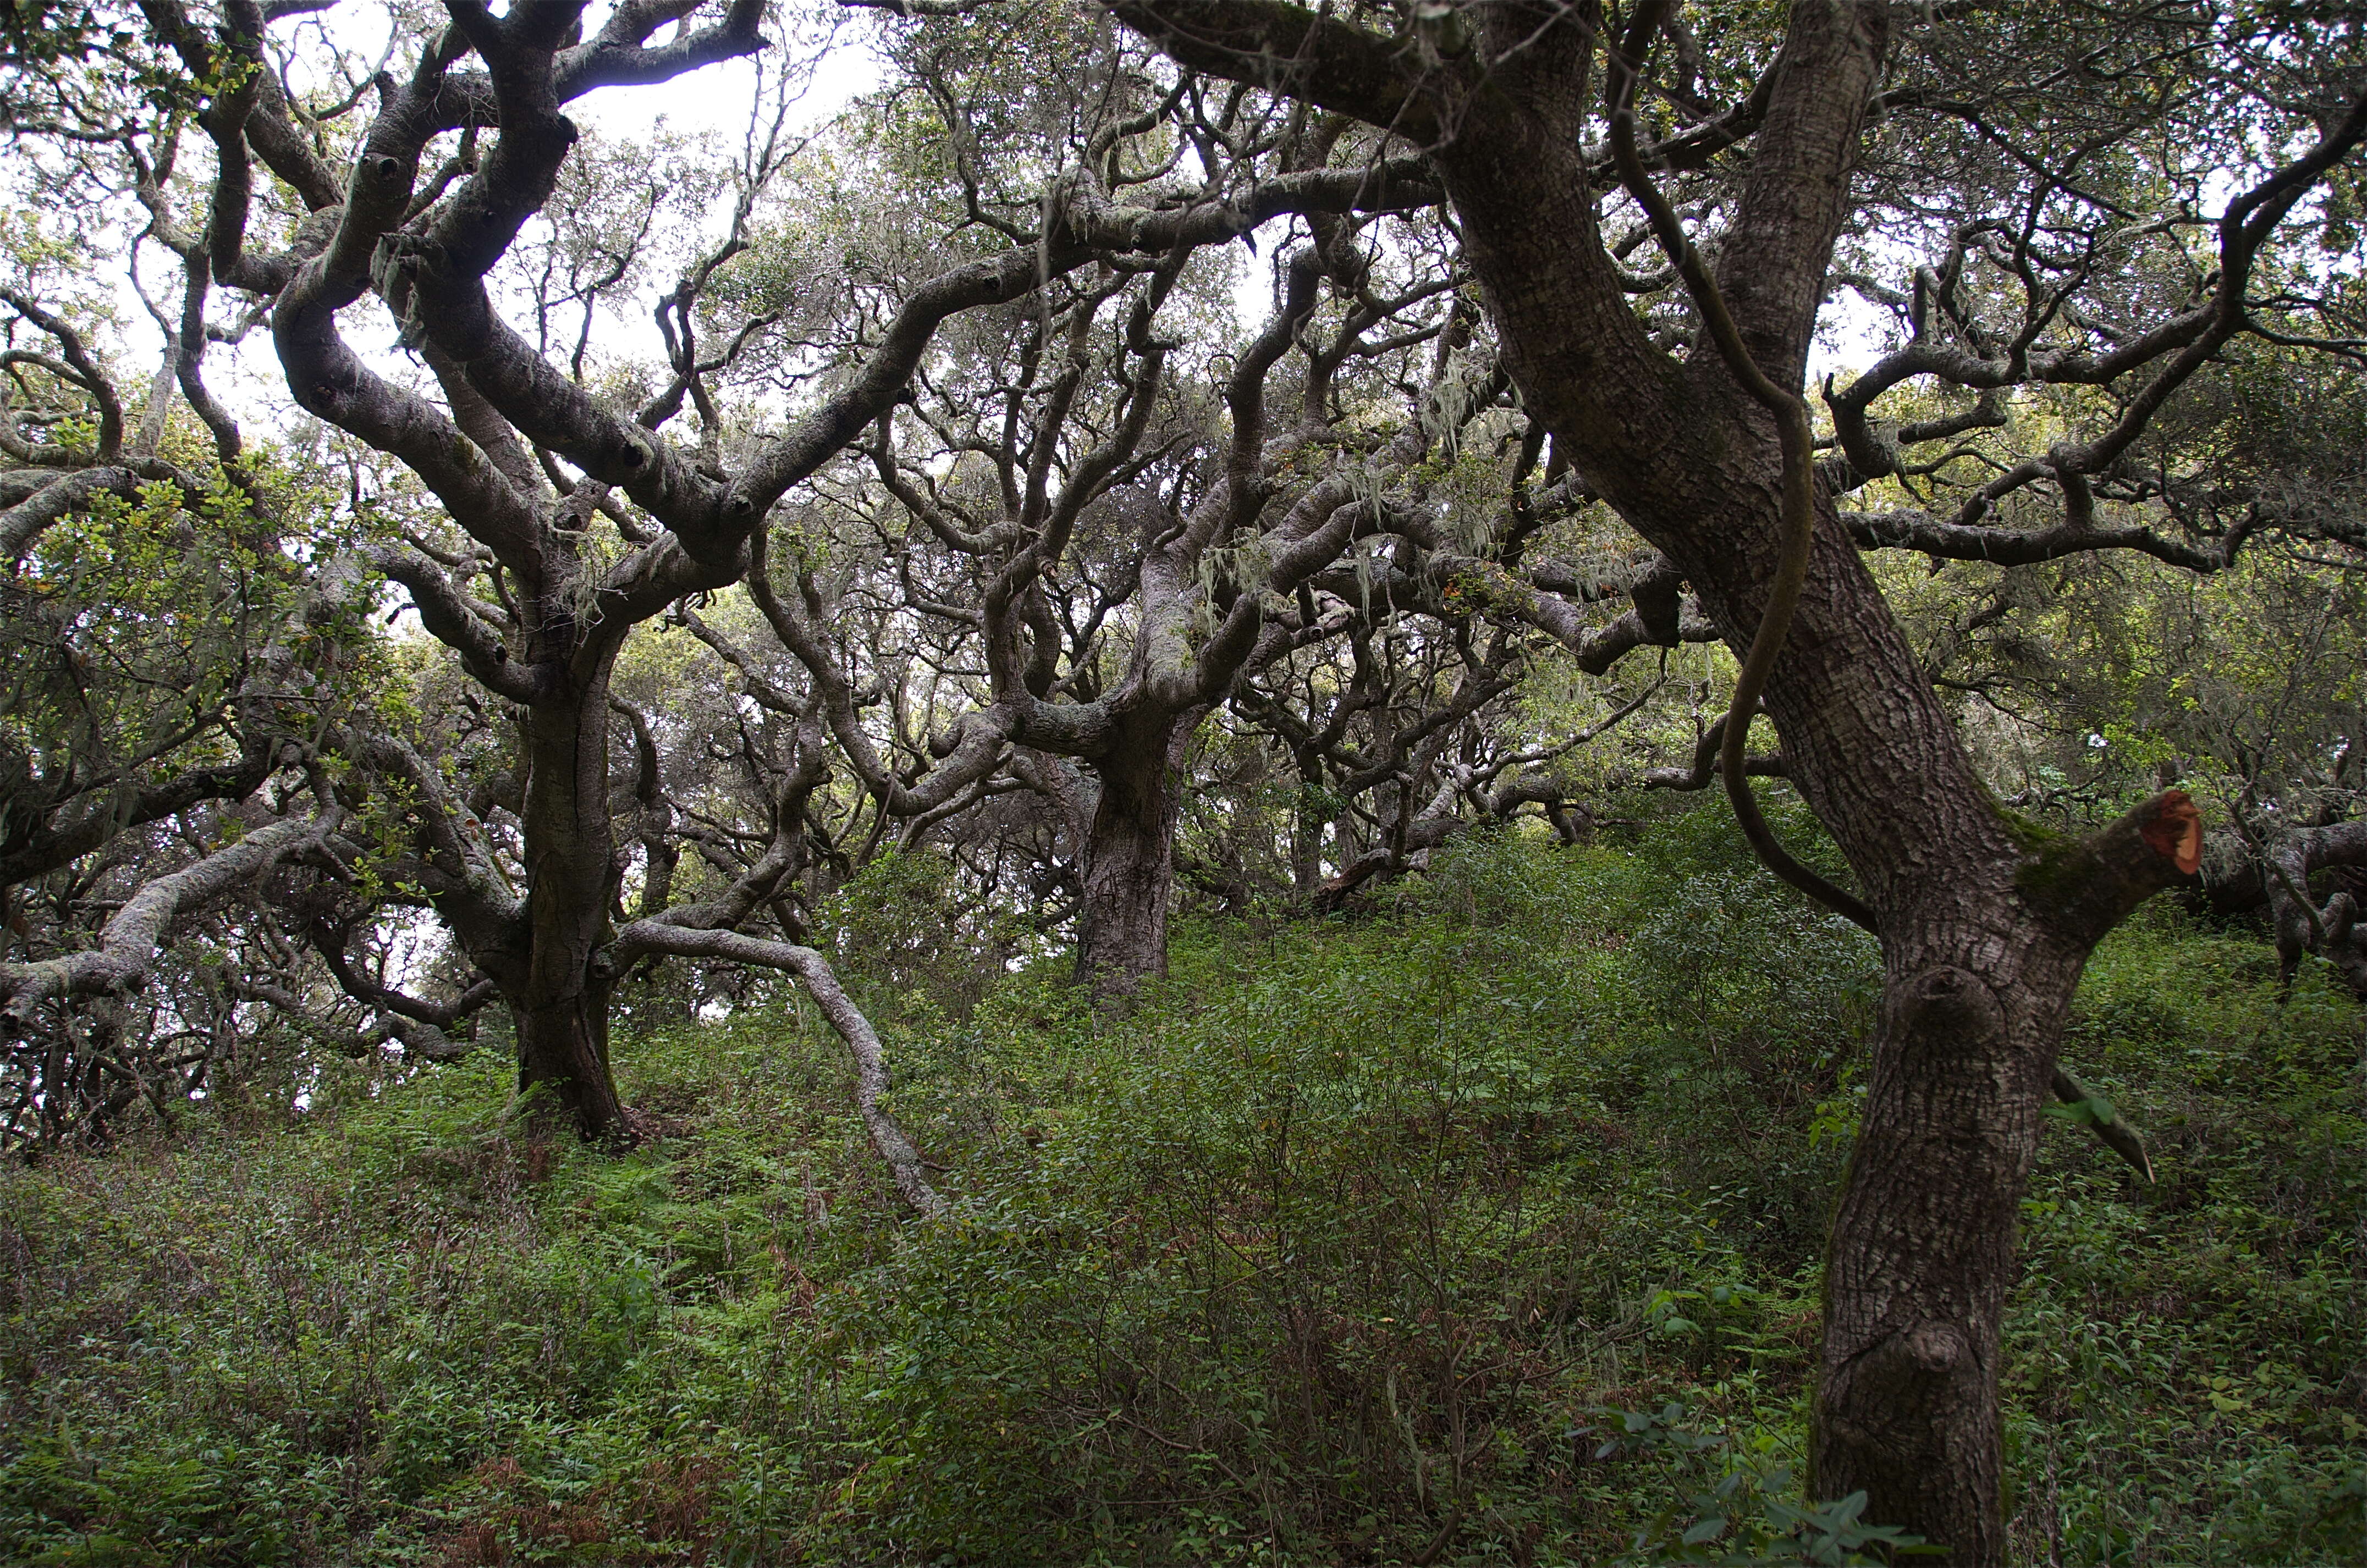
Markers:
<point>1168,454</point>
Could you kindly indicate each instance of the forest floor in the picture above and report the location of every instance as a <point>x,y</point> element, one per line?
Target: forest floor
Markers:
<point>1481,1228</point>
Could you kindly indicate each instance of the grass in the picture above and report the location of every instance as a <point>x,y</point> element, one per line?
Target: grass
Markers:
<point>1351,1244</point>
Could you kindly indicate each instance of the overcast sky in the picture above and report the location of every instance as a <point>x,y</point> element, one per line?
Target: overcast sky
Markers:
<point>715,101</point>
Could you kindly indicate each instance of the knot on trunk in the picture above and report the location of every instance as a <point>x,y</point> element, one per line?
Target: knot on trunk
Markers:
<point>1933,1350</point>
<point>1948,1007</point>
<point>1910,1368</point>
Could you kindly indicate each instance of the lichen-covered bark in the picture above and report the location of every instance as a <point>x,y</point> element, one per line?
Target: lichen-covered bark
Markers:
<point>1130,855</point>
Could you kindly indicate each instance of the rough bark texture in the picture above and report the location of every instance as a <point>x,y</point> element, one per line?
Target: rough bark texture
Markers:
<point>1977,981</point>
<point>562,1063</point>
<point>2331,930</point>
<point>560,1004</point>
<point>1922,1249</point>
<point>1131,857</point>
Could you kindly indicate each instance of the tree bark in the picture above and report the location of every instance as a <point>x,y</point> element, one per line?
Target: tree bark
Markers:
<point>559,1002</point>
<point>1977,982</point>
<point>1130,855</point>
<point>1921,1253</point>
<point>562,1063</point>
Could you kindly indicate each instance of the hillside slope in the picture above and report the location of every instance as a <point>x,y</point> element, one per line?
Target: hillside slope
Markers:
<point>1442,1235</point>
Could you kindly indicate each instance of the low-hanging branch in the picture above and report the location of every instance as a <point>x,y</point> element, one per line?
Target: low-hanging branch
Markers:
<point>129,942</point>
<point>904,1163</point>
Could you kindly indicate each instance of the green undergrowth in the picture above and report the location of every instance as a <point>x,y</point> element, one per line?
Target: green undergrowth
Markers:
<point>1480,1229</point>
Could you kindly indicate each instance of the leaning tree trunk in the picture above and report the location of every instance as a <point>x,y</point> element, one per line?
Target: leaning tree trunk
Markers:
<point>560,999</point>
<point>1985,923</point>
<point>1978,976</point>
<point>1921,1254</point>
<point>1984,927</point>
<point>1130,854</point>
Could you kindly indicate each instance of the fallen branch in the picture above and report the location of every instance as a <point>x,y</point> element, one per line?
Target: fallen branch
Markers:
<point>2105,1121</point>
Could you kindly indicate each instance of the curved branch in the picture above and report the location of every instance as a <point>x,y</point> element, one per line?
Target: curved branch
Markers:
<point>1915,529</point>
<point>22,524</point>
<point>445,611</point>
<point>2333,931</point>
<point>904,1163</point>
<point>127,944</point>
<point>420,1041</point>
<point>1800,510</point>
<point>100,819</point>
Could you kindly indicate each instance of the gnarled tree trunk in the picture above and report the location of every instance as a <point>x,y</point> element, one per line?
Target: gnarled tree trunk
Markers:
<point>1983,931</point>
<point>562,1060</point>
<point>557,997</point>
<point>1130,855</point>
